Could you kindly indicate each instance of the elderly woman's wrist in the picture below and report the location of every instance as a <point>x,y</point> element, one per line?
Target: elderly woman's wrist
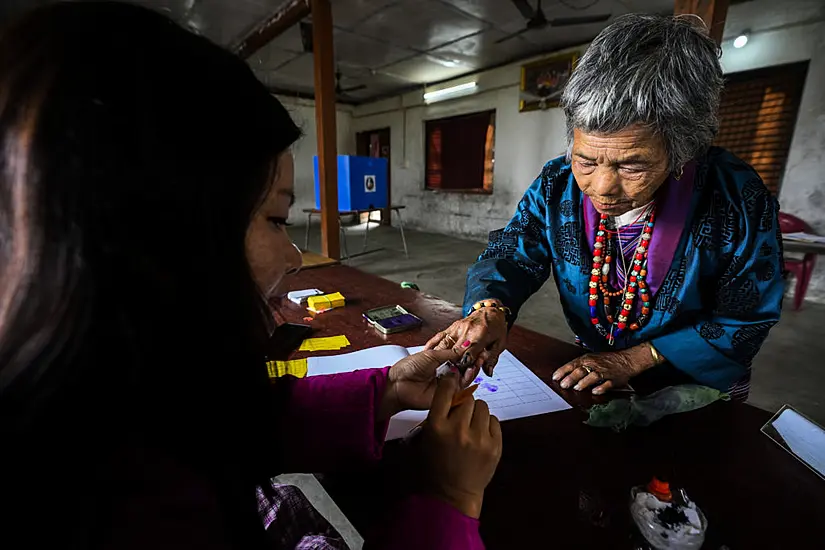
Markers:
<point>491,309</point>
<point>491,315</point>
<point>639,358</point>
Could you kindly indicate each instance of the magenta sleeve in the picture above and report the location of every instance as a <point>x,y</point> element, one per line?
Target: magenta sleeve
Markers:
<point>330,422</point>
<point>426,522</point>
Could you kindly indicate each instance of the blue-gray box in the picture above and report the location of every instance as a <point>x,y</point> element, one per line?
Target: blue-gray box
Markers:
<point>362,183</point>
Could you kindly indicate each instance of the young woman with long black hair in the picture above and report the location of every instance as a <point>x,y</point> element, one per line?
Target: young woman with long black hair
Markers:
<point>145,180</point>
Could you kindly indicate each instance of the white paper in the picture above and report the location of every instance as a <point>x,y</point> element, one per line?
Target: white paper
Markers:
<point>803,237</point>
<point>370,358</point>
<point>300,296</point>
<point>512,392</point>
<point>805,439</point>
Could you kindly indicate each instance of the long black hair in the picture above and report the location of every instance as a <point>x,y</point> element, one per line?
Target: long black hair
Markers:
<point>133,155</point>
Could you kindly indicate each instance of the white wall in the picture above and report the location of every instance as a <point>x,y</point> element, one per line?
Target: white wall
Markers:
<point>781,32</point>
<point>803,188</point>
<point>303,113</point>
<point>523,143</point>
<point>788,32</point>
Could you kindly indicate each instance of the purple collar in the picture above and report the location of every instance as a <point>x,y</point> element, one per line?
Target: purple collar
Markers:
<point>673,204</point>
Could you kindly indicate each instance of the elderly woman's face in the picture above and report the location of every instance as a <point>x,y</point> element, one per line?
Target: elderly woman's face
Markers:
<point>619,171</point>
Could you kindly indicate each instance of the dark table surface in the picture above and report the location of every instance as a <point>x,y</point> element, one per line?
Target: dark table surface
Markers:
<point>563,484</point>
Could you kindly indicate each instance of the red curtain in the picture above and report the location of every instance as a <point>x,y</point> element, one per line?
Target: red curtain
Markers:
<point>456,149</point>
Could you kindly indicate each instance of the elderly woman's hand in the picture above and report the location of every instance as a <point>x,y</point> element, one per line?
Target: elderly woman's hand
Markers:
<point>612,369</point>
<point>481,336</point>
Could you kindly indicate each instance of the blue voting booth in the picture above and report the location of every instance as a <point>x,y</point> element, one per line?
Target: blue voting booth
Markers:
<point>362,183</point>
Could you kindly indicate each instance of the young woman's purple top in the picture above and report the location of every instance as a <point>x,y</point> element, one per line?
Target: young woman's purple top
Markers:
<point>326,423</point>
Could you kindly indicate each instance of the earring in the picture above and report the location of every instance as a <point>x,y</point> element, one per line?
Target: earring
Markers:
<point>678,175</point>
<point>297,268</point>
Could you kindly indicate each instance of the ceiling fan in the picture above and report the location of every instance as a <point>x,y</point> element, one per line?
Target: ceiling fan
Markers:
<point>536,20</point>
<point>340,90</point>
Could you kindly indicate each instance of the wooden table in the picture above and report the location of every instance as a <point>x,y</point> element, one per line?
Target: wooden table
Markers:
<point>563,484</point>
<point>357,213</point>
<point>790,245</point>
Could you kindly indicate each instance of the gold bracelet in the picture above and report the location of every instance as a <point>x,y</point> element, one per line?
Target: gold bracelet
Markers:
<point>657,359</point>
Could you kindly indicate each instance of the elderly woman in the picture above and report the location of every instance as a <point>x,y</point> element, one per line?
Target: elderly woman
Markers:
<point>665,251</point>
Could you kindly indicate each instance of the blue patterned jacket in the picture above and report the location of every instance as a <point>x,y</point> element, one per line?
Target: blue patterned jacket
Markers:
<point>716,302</point>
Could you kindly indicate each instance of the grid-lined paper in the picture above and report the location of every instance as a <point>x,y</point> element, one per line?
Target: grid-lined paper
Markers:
<point>512,392</point>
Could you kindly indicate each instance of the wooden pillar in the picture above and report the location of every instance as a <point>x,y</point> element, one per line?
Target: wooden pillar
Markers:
<point>712,12</point>
<point>325,126</point>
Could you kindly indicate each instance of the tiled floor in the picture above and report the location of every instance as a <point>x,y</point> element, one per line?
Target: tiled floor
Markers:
<point>789,369</point>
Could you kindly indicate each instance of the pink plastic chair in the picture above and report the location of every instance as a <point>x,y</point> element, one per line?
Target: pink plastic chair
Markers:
<point>801,269</point>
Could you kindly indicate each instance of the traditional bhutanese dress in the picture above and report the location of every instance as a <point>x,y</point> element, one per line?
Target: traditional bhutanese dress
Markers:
<point>714,266</point>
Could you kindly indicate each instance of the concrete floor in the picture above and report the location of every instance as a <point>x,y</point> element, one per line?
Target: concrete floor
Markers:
<point>789,369</point>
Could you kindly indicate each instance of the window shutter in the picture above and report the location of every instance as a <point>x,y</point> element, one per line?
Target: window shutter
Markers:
<point>757,115</point>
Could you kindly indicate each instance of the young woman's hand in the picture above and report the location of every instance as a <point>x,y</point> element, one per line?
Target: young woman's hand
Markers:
<point>411,381</point>
<point>462,447</point>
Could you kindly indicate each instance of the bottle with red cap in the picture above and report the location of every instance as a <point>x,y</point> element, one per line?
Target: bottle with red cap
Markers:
<point>666,518</point>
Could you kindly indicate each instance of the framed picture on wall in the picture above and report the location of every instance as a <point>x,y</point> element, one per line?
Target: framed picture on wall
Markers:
<point>543,81</point>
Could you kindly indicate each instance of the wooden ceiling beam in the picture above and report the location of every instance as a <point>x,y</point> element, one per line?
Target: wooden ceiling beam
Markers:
<point>289,14</point>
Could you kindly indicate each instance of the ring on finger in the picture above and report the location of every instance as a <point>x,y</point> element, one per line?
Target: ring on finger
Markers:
<point>588,369</point>
<point>452,340</point>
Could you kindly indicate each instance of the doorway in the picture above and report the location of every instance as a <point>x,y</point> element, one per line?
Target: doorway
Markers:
<point>376,143</point>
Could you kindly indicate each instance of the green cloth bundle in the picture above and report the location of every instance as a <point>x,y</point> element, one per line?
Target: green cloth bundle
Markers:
<point>643,411</point>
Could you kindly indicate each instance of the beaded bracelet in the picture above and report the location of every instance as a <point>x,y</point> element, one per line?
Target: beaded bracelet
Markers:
<point>493,304</point>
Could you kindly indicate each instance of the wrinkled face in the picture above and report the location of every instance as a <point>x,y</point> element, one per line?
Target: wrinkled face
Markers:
<point>619,171</point>
<point>269,250</point>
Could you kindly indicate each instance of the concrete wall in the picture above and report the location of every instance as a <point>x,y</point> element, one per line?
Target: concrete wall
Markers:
<point>781,32</point>
<point>788,32</point>
<point>523,143</point>
<point>303,113</point>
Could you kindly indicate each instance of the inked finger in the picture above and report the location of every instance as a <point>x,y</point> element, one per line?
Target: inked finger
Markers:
<point>469,375</point>
<point>470,355</point>
<point>494,352</point>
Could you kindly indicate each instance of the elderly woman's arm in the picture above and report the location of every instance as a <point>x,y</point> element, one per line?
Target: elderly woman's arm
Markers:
<point>718,347</point>
<point>516,262</point>
<point>514,266</point>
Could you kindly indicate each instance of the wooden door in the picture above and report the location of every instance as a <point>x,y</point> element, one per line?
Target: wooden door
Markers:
<point>376,143</point>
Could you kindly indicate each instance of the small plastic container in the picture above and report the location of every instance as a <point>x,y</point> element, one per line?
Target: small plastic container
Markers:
<point>667,520</point>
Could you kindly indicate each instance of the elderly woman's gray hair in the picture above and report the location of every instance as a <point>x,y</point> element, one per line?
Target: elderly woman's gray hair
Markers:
<point>663,72</point>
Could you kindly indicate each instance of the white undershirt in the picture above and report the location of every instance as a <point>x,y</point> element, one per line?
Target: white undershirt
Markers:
<point>629,217</point>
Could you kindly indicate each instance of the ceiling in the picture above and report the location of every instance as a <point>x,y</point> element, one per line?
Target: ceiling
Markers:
<point>391,46</point>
